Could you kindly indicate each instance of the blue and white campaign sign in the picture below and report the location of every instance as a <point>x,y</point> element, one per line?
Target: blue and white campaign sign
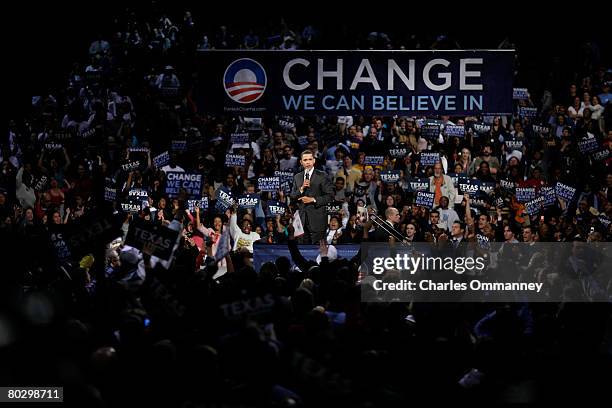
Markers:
<point>132,205</point>
<point>339,83</point>
<point>286,180</point>
<point>534,206</point>
<point>454,130</point>
<point>565,192</point>
<point>161,160</point>
<point>223,200</point>
<point>550,197</point>
<point>130,166</point>
<point>161,237</point>
<point>513,143</point>
<point>470,186</point>
<point>430,131</point>
<point>373,160</point>
<point>244,81</point>
<point>286,124</point>
<point>525,194</point>
<point>429,158</point>
<point>138,149</point>
<point>541,130</point>
<point>139,193</point>
<point>62,135</point>
<point>202,204</point>
<point>390,176</point>
<point>274,208</point>
<point>419,184</point>
<point>527,112</point>
<point>425,199</point>
<point>455,177</point>
<point>41,183</point>
<point>191,182</point>
<point>601,155</point>
<point>302,140</point>
<point>481,128</point>
<point>268,183</point>
<point>483,241</point>
<point>588,145</point>
<point>235,160</point>
<point>53,146</point>
<point>398,151</point>
<point>604,220</point>
<point>334,208</point>
<point>480,199</point>
<point>520,93</point>
<point>88,133</point>
<point>507,185</point>
<point>110,193</point>
<point>248,201</point>
<point>179,145</point>
<point>240,138</point>
<point>487,187</point>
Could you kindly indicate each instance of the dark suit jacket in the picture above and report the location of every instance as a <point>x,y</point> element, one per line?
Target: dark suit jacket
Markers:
<point>322,190</point>
<point>380,235</point>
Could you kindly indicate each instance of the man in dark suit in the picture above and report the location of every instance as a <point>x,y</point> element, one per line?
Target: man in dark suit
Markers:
<point>392,218</point>
<point>313,191</point>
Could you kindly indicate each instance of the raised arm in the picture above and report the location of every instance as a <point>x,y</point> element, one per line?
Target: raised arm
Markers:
<point>67,158</point>
<point>468,213</point>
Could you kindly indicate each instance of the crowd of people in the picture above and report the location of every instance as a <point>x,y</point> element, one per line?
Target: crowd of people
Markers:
<point>120,326</point>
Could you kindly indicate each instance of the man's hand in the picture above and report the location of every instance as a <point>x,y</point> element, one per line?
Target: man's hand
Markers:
<point>306,200</point>
<point>323,248</point>
<point>306,184</point>
<point>147,249</point>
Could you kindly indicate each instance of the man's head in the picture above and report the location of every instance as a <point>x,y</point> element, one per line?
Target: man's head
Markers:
<point>484,168</point>
<point>444,202</point>
<point>483,221</point>
<point>457,229</point>
<point>347,161</point>
<point>509,233</point>
<point>229,180</point>
<point>434,217</point>
<point>287,151</point>
<point>438,170</point>
<point>528,234</point>
<point>334,223</point>
<point>392,214</point>
<point>487,150</point>
<point>307,159</point>
<point>339,183</point>
<point>246,226</point>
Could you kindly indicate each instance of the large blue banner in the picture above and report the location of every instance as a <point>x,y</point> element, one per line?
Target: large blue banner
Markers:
<point>269,252</point>
<point>454,82</point>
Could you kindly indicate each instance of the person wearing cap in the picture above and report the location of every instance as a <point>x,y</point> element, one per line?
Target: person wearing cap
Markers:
<point>605,95</point>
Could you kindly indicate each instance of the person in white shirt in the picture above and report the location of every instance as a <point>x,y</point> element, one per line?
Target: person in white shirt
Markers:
<point>172,166</point>
<point>447,215</point>
<point>289,161</point>
<point>242,237</point>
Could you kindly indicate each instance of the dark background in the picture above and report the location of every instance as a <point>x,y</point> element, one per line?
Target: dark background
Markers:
<point>45,38</point>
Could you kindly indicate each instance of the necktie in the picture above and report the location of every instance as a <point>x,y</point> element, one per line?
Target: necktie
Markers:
<point>307,175</point>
